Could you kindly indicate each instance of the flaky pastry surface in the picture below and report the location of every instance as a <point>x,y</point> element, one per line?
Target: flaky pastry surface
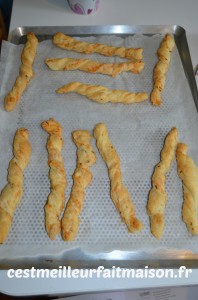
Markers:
<point>119,193</point>
<point>13,191</point>
<point>69,43</point>
<point>101,94</point>
<point>57,175</point>
<point>25,73</point>
<point>161,68</point>
<point>157,195</point>
<point>188,172</point>
<point>81,180</point>
<point>91,66</point>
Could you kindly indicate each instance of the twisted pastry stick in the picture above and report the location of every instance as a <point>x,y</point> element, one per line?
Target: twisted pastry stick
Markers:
<point>25,73</point>
<point>13,191</point>
<point>188,172</point>
<point>157,195</point>
<point>82,178</point>
<point>161,68</point>
<point>57,175</point>
<point>69,43</point>
<point>119,193</point>
<point>91,66</point>
<point>101,94</point>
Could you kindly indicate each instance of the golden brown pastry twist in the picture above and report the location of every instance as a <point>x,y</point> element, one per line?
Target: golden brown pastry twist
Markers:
<point>81,180</point>
<point>69,43</point>
<point>25,73</point>
<point>157,195</point>
<point>188,172</point>
<point>161,68</point>
<point>101,94</point>
<point>119,193</point>
<point>57,175</point>
<point>13,191</point>
<point>91,66</point>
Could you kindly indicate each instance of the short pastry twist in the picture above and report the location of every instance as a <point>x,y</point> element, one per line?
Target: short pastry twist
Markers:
<point>119,193</point>
<point>188,172</point>
<point>157,195</point>
<point>57,175</point>
<point>101,94</point>
<point>161,68</point>
<point>13,191</point>
<point>69,43</point>
<point>91,66</point>
<point>25,72</point>
<point>81,180</point>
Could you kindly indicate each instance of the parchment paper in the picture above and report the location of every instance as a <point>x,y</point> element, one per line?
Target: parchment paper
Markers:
<point>137,132</point>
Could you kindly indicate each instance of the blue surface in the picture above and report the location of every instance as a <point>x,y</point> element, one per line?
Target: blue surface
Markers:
<point>6,7</point>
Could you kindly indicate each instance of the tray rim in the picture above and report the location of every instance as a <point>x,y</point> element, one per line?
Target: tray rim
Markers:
<point>96,30</point>
<point>170,257</point>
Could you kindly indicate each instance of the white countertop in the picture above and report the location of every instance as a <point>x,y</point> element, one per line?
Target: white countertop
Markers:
<point>111,12</point>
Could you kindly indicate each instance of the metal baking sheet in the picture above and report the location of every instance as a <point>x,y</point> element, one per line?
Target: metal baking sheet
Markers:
<point>77,258</point>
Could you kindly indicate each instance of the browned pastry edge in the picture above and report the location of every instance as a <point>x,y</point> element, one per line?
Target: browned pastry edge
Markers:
<point>69,43</point>
<point>101,94</point>
<point>157,195</point>
<point>58,183</point>
<point>13,191</point>
<point>91,66</point>
<point>119,194</point>
<point>25,73</point>
<point>81,180</point>
<point>161,68</point>
<point>188,173</point>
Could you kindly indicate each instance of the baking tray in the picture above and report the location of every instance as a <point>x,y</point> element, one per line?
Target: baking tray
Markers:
<point>134,259</point>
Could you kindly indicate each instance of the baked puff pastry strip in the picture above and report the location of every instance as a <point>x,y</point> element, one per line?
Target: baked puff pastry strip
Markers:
<point>58,183</point>
<point>188,172</point>
<point>161,68</point>
<point>69,43</point>
<point>157,195</point>
<point>101,94</point>
<point>25,73</point>
<point>91,66</point>
<point>119,193</point>
<point>13,191</point>
<point>81,180</point>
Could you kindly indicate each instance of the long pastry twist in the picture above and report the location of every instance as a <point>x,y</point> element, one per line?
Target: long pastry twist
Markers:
<point>69,43</point>
<point>161,68</point>
<point>13,191</point>
<point>57,175</point>
<point>25,73</point>
<point>188,172</point>
<point>119,193</point>
<point>91,66</point>
<point>81,180</point>
<point>157,195</point>
<point>101,94</point>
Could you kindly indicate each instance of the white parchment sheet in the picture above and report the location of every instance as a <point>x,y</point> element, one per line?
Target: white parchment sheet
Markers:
<point>137,131</point>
